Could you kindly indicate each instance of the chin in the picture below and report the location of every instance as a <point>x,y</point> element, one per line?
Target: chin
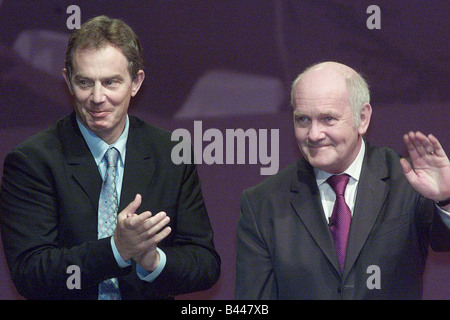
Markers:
<point>98,125</point>
<point>321,164</point>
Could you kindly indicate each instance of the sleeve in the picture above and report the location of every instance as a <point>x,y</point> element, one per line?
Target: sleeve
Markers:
<point>254,270</point>
<point>445,216</point>
<point>440,230</point>
<point>192,263</point>
<point>30,218</point>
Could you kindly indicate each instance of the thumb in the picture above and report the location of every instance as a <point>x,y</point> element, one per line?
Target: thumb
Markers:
<point>131,208</point>
<point>407,170</point>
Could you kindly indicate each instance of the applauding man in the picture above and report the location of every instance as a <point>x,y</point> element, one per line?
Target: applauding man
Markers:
<point>98,190</point>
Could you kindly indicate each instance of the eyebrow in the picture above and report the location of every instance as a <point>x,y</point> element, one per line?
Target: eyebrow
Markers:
<point>115,76</point>
<point>329,113</point>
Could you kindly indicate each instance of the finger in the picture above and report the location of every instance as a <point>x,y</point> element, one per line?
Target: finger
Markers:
<point>147,246</point>
<point>162,235</point>
<point>136,220</point>
<point>437,147</point>
<point>151,221</point>
<point>418,139</point>
<point>156,224</point>
<point>157,238</point>
<point>426,143</point>
<point>144,222</point>
<point>413,154</point>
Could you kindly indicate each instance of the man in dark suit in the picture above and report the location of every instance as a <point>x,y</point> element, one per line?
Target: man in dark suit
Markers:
<point>162,244</point>
<point>302,237</point>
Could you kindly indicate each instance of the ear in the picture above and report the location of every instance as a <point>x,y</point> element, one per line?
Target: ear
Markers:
<point>68,82</point>
<point>137,82</point>
<point>364,119</point>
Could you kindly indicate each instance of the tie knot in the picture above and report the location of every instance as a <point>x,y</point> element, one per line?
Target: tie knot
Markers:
<point>338,183</point>
<point>111,155</point>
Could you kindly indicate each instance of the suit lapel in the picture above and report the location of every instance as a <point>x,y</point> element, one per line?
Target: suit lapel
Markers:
<point>138,171</point>
<point>372,193</point>
<point>81,162</point>
<point>307,204</point>
<point>139,165</point>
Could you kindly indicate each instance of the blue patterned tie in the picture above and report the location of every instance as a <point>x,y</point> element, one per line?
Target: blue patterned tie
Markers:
<point>107,215</point>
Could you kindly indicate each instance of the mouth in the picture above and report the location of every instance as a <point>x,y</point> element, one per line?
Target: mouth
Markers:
<point>316,147</point>
<point>98,114</point>
<point>316,150</point>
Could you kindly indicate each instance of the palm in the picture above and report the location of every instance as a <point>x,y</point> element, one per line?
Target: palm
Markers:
<point>430,171</point>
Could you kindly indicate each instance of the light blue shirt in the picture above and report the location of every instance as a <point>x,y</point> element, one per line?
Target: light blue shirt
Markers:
<point>98,149</point>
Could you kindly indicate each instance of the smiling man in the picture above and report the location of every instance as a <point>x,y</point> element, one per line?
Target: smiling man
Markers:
<point>98,190</point>
<point>102,83</point>
<point>318,229</point>
<point>327,132</point>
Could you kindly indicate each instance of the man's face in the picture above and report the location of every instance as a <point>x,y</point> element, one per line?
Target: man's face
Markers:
<point>323,121</point>
<point>102,88</point>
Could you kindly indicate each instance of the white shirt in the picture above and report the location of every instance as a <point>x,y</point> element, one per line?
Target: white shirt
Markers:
<point>327,194</point>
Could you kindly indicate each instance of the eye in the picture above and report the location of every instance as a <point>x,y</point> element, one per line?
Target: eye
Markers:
<point>301,120</point>
<point>83,83</point>
<point>111,83</point>
<point>329,119</point>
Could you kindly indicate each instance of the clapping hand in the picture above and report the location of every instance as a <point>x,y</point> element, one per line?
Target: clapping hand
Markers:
<point>137,235</point>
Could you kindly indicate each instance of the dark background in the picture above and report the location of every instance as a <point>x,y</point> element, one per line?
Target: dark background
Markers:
<point>230,64</point>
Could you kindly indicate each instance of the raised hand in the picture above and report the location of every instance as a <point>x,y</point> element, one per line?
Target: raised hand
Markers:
<point>430,171</point>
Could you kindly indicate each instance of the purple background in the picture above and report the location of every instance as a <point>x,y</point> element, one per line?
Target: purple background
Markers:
<point>229,64</point>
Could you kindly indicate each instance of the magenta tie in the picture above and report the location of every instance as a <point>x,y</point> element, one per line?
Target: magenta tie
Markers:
<point>341,216</point>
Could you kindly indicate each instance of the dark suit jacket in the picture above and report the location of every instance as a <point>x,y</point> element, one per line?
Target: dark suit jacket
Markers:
<point>285,249</point>
<point>49,202</point>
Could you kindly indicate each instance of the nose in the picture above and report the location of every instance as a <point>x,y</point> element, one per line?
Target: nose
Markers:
<point>98,95</point>
<point>315,132</point>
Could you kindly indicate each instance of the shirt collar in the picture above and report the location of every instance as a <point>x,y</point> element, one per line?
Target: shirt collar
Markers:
<point>98,147</point>
<point>354,170</point>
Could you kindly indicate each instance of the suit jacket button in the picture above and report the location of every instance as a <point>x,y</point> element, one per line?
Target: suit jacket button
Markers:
<point>339,290</point>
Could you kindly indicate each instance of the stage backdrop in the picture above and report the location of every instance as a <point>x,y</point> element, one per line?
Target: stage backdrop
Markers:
<point>228,65</point>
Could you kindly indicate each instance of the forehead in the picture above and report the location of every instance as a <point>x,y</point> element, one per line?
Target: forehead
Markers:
<point>321,89</point>
<point>95,61</point>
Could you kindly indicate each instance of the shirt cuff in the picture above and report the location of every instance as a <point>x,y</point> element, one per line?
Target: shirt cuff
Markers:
<point>141,272</point>
<point>445,216</point>
<point>122,263</point>
<point>150,276</point>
